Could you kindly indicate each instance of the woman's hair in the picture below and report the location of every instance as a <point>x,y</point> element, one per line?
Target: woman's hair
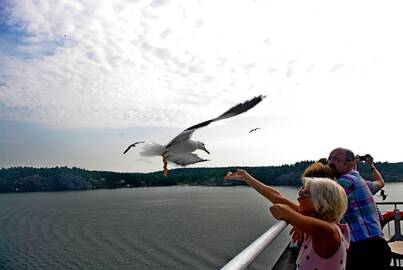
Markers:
<point>318,169</point>
<point>328,197</point>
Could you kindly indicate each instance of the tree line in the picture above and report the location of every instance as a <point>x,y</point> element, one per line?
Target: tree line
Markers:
<point>24,179</point>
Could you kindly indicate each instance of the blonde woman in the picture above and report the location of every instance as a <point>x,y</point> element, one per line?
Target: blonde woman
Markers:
<point>322,204</point>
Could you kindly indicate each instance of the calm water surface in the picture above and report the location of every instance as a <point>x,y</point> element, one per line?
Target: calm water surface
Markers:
<point>143,228</point>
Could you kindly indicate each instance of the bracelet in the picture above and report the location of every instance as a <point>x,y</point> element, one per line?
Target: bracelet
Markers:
<point>372,168</point>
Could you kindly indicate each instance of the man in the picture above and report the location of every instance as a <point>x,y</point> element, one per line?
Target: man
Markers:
<point>368,249</point>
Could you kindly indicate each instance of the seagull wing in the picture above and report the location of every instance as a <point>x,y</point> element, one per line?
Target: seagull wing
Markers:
<point>184,159</point>
<point>183,136</point>
<point>253,130</point>
<point>237,109</point>
<point>130,146</point>
<point>240,108</point>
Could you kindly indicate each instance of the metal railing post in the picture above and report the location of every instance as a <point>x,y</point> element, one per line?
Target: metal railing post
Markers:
<point>248,255</point>
<point>398,234</point>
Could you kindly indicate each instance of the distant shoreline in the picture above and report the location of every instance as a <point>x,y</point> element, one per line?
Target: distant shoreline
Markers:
<point>29,179</point>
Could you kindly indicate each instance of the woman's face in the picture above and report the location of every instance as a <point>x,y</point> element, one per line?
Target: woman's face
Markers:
<point>305,202</point>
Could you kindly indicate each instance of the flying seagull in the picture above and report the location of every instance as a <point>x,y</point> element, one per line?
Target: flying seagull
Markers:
<point>132,145</point>
<point>254,129</point>
<point>179,149</point>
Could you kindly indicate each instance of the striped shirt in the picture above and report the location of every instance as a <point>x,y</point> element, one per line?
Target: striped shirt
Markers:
<point>361,216</point>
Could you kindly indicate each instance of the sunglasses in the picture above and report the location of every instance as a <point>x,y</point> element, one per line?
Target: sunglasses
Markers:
<point>302,193</point>
<point>336,160</point>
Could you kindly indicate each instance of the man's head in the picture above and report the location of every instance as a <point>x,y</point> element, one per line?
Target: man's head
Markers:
<point>341,161</point>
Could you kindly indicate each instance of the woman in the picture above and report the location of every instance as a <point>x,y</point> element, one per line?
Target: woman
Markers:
<point>322,204</point>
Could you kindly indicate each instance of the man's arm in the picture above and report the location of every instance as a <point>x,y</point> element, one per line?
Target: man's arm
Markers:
<point>376,175</point>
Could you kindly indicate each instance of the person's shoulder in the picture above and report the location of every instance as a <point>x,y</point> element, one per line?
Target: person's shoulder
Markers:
<point>351,176</point>
<point>354,174</point>
<point>345,234</point>
<point>343,228</point>
<point>347,180</point>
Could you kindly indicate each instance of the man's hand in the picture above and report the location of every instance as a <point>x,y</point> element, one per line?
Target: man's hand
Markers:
<point>369,160</point>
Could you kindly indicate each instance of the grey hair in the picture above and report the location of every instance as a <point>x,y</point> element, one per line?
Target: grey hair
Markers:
<point>328,197</point>
<point>349,155</point>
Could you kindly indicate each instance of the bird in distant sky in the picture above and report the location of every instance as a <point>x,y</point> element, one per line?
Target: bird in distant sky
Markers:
<point>132,145</point>
<point>254,129</point>
<point>179,149</point>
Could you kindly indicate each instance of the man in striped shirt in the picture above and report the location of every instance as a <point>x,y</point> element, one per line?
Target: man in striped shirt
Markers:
<point>368,249</point>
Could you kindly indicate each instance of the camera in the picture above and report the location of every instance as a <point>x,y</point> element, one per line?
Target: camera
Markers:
<point>362,158</point>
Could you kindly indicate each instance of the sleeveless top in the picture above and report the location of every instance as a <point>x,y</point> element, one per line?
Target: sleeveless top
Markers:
<point>309,259</point>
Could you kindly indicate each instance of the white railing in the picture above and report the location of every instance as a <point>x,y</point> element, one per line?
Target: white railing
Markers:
<point>249,254</point>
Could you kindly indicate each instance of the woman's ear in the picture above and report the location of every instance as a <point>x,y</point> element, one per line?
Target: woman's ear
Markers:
<point>318,211</point>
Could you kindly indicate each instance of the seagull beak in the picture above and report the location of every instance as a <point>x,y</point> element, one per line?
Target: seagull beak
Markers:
<point>204,149</point>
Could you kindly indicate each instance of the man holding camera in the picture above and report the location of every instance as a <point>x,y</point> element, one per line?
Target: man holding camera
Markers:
<point>368,249</point>
<point>378,182</point>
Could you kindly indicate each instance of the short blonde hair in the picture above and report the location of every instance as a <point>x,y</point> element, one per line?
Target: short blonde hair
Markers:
<point>328,197</point>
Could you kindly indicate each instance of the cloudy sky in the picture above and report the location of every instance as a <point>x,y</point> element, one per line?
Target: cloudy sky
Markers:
<point>82,79</point>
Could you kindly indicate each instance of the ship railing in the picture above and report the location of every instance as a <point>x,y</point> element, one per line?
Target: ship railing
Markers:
<point>249,254</point>
<point>393,232</point>
<point>396,229</point>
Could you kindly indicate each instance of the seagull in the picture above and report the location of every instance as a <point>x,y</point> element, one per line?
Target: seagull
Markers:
<point>179,149</point>
<point>132,145</point>
<point>254,129</point>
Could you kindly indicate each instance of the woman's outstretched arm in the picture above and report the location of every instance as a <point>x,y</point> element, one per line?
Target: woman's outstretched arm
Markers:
<point>270,193</point>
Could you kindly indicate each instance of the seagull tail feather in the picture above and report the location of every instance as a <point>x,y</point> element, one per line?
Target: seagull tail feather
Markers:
<point>152,149</point>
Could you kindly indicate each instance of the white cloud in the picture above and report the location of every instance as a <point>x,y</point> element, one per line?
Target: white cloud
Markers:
<point>97,63</point>
<point>125,63</point>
